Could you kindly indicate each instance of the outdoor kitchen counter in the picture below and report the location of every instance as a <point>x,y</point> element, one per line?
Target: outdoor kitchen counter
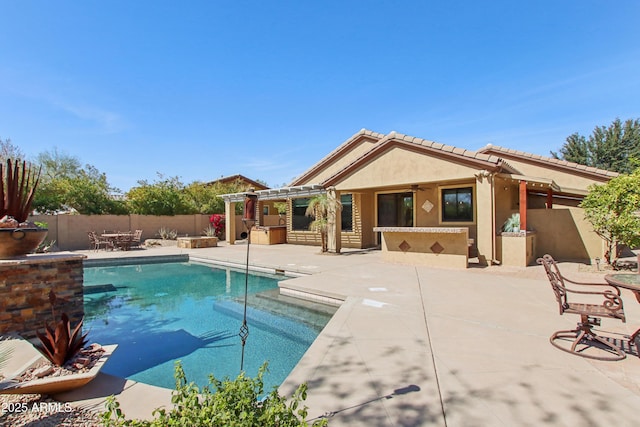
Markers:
<point>269,234</point>
<point>433,246</point>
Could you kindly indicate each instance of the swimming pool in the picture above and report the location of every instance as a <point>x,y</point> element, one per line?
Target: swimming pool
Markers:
<point>159,313</point>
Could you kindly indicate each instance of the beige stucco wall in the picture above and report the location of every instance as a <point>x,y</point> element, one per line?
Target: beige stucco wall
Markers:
<point>515,249</point>
<point>355,151</point>
<point>565,234</point>
<point>400,166</point>
<point>70,231</point>
<point>418,248</point>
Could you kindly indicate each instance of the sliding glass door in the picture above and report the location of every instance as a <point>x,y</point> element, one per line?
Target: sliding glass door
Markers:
<point>395,209</point>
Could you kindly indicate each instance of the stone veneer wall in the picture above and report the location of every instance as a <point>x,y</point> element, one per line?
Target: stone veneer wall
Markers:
<point>25,283</point>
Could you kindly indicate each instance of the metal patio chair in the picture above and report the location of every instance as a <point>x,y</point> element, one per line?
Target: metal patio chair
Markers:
<point>583,337</point>
<point>136,240</point>
<point>97,241</point>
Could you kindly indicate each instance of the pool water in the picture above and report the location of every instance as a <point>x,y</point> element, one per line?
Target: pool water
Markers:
<point>160,313</point>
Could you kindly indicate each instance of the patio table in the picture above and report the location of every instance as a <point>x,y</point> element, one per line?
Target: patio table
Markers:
<point>628,281</point>
<point>121,240</point>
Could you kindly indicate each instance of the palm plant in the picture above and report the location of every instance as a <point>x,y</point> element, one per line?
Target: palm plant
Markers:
<point>319,208</point>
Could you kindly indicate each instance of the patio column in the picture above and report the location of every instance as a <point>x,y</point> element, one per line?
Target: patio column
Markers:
<point>523,205</point>
<point>334,222</point>
<point>230,221</point>
<point>549,198</point>
<point>484,239</point>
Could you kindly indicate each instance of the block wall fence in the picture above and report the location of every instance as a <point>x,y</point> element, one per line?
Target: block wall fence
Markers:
<point>70,231</point>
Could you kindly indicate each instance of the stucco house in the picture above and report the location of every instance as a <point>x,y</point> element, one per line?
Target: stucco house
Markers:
<point>396,180</point>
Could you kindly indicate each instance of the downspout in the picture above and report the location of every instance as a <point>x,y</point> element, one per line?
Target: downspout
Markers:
<point>494,259</point>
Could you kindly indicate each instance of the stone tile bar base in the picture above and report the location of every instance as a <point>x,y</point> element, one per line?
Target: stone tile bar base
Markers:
<point>25,283</point>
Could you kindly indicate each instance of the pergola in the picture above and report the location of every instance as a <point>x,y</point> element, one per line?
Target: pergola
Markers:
<point>284,193</point>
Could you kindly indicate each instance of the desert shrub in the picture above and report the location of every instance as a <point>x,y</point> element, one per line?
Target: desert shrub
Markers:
<point>236,403</point>
<point>167,233</point>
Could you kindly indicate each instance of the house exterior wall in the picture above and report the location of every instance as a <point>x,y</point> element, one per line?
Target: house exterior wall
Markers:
<point>371,165</point>
<point>401,167</point>
<point>355,151</point>
<point>566,232</point>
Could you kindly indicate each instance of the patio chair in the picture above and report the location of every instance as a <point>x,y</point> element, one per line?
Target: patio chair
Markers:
<point>584,341</point>
<point>123,241</point>
<point>136,239</point>
<point>97,241</point>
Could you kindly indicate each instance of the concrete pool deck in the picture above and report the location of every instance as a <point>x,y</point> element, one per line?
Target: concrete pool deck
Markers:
<point>419,346</point>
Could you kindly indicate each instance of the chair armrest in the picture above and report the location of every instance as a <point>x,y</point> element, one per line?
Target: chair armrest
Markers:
<point>608,286</point>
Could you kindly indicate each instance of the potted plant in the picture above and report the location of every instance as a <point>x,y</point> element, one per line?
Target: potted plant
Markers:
<point>512,224</point>
<point>18,183</point>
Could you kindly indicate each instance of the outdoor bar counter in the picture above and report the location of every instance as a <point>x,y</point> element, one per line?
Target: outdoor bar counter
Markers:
<point>269,235</point>
<point>433,246</point>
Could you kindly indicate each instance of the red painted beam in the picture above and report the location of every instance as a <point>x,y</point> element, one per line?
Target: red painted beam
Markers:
<point>523,205</point>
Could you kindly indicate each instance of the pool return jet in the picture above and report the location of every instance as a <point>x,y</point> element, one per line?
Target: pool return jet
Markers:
<point>249,220</point>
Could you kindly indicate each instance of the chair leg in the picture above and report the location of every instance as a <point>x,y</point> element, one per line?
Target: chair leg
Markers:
<point>584,335</point>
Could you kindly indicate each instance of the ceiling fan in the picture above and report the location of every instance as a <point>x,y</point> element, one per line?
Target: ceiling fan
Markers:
<point>416,187</point>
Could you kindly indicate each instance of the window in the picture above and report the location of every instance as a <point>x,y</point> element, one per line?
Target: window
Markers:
<point>265,210</point>
<point>457,204</point>
<point>300,221</point>
<point>347,212</point>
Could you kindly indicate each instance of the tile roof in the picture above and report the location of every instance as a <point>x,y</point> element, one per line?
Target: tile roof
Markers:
<point>489,148</point>
<point>491,156</point>
<point>394,138</point>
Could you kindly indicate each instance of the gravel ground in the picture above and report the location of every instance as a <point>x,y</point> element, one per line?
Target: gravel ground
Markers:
<point>34,410</point>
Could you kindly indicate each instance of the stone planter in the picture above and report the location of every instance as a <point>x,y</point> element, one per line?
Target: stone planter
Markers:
<point>197,242</point>
<point>16,242</point>
<point>51,384</point>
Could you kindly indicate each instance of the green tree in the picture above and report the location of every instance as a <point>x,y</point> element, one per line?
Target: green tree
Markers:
<point>90,194</point>
<point>203,197</point>
<point>9,151</point>
<point>166,196</point>
<point>613,148</point>
<point>613,209</point>
<point>57,164</point>
<point>64,184</point>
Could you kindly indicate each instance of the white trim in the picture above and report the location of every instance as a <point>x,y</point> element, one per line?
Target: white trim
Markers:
<point>279,193</point>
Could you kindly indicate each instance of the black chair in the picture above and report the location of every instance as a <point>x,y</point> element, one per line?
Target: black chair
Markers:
<point>584,341</point>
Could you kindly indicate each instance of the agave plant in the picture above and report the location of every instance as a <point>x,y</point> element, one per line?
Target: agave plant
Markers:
<point>61,344</point>
<point>17,187</point>
<point>512,224</point>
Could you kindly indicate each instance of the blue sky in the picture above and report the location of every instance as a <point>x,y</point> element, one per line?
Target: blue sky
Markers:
<point>203,89</point>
